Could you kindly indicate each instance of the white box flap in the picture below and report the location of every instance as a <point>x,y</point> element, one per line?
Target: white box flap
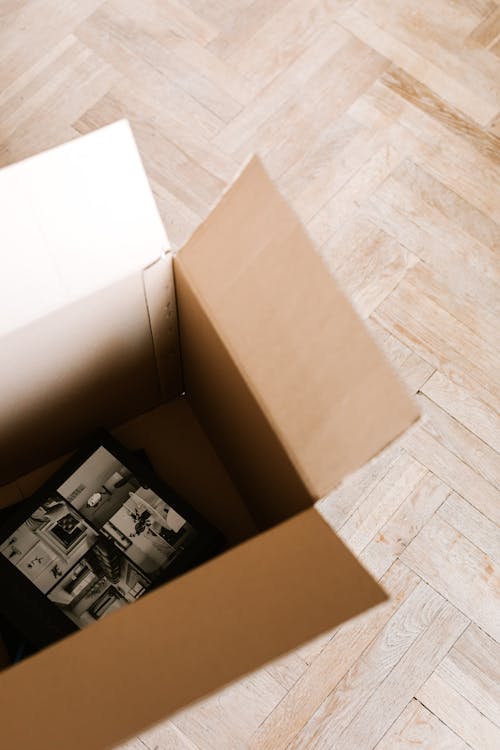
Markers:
<point>73,220</point>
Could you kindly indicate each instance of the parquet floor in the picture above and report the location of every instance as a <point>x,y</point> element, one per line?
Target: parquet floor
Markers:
<point>379,120</point>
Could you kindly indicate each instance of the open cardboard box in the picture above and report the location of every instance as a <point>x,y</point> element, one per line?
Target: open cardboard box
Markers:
<point>244,373</point>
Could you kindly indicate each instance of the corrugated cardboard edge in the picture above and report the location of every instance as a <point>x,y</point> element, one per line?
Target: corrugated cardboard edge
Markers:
<point>159,295</point>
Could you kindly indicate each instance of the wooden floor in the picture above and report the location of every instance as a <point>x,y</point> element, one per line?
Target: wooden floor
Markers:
<point>379,120</point>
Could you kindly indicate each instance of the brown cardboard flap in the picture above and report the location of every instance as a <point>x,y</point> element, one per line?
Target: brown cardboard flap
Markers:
<point>189,638</point>
<point>254,456</point>
<point>323,385</point>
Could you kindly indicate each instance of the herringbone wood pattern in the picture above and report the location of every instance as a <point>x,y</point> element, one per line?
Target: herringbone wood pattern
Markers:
<point>379,120</point>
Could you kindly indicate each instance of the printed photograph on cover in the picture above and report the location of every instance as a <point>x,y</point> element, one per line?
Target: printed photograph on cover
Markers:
<point>101,582</point>
<point>134,517</point>
<point>100,533</point>
<point>49,543</point>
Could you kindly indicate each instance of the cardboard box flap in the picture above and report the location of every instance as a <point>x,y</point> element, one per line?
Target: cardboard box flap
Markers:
<point>189,638</point>
<point>226,407</point>
<point>73,220</point>
<point>324,386</point>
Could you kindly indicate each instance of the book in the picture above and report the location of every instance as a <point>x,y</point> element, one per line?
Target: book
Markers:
<point>98,535</point>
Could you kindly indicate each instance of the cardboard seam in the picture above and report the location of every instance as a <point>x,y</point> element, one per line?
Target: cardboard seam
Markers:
<point>161,386</point>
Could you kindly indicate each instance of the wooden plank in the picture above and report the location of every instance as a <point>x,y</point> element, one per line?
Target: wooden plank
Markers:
<point>472,524</point>
<point>460,715</point>
<point>343,206</point>
<point>211,725</point>
<point>404,55</point>
<point>111,35</point>
<point>155,33</point>
<point>386,498</point>
<point>437,336</point>
<point>438,34</point>
<point>437,241</point>
<point>449,204</point>
<point>164,735</point>
<point>334,663</point>
<point>486,32</point>
<point>479,689</point>
<point>414,370</point>
<point>411,516</point>
<point>466,407</point>
<point>447,156</point>
<point>459,570</point>
<point>454,472</point>
<point>344,500</point>
<point>375,691</point>
<point>461,441</point>
<point>416,726</point>
<point>483,653</point>
<point>242,128</point>
<point>421,96</point>
<point>235,28</point>
<point>282,39</point>
<point>370,270</point>
<point>287,670</point>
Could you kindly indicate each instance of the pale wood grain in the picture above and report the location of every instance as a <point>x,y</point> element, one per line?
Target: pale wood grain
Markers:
<point>378,507</point>
<point>437,33</point>
<point>211,723</point>
<point>466,407</point>
<point>405,523</point>
<point>454,472</point>
<point>459,570</point>
<point>422,97</point>
<point>460,715</point>
<point>406,56</point>
<point>488,30</point>
<point>396,664</point>
<point>414,370</point>
<point>472,524</point>
<point>344,500</point>
<point>482,651</point>
<point>418,727</point>
<point>482,691</point>
<point>282,39</point>
<point>369,270</point>
<point>463,443</point>
<point>333,664</point>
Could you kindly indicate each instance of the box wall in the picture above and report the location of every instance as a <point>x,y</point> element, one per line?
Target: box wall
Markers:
<point>183,456</point>
<point>231,415</point>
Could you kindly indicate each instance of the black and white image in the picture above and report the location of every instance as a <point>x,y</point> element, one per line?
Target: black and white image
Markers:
<point>99,534</point>
<point>49,543</point>
<point>102,582</point>
<point>133,516</point>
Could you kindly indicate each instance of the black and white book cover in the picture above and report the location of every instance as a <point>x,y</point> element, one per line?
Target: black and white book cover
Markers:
<point>98,535</point>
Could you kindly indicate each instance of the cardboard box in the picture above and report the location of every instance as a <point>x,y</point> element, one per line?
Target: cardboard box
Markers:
<point>240,368</point>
